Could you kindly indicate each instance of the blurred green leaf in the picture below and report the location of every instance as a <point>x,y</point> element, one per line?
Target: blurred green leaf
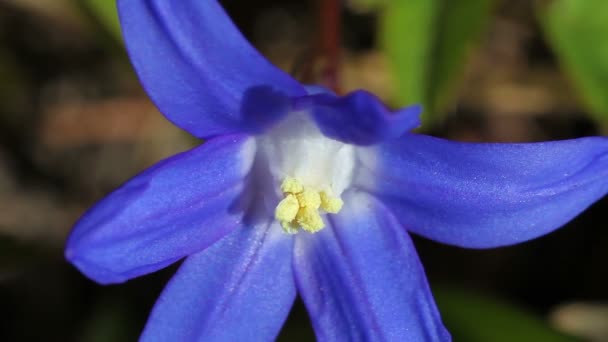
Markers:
<point>427,42</point>
<point>577,31</point>
<point>475,318</point>
<point>460,25</point>
<point>105,11</point>
<point>406,33</point>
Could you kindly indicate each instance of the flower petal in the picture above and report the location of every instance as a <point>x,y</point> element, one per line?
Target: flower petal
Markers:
<point>195,64</point>
<point>177,207</point>
<point>240,289</point>
<point>361,280</point>
<point>360,118</point>
<point>486,195</point>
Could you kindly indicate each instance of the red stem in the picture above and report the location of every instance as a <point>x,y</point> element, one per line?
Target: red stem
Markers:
<point>329,49</point>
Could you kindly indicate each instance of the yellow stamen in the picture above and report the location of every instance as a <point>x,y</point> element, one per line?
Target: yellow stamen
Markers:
<point>332,205</point>
<point>287,209</point>
<point>291,185</point>
<point>300,207</point>
<point>289,227</point>
<point>309,219</point>
<point>309,199</point>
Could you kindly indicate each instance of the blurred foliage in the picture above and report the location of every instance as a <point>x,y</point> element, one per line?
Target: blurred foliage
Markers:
<point>577,32</point>
<point>476,318</point>
<point>406,35</point>
<point>106,13</point>
<point>426,42</point>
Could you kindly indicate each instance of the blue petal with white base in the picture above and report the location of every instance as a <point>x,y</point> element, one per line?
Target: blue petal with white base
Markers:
<point>360,118</point>
<point>277,151</point>
<point>486,195</point>
<point>240,289</point>
<point>195,65</point>
<point>361,279</point>
<point>177,207</point>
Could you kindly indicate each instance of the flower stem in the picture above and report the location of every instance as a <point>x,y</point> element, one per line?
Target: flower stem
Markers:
<point>329,42</point>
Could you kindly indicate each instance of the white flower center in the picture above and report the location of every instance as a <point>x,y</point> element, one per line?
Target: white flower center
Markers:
<point>309,172</point>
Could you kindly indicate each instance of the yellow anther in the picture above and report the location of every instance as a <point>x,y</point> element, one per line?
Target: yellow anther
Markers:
<point>309,199</point>
<point>291,185</point>
<point>290,227</point>
<point>287,209</point>
<point>330,204</point>
<point>309,219</point>
<point>300,207</point>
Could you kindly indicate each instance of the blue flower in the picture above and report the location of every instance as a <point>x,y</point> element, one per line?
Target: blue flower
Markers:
<point>297,190</point>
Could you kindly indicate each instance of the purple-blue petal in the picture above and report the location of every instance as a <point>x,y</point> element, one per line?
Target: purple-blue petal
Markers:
<point>175,208</point>
<point>485,195</point>
<point>361,279</point>
<point>195,64</point>
<point>360,118</point>
<point>262,107</point>
<point>240,289</point>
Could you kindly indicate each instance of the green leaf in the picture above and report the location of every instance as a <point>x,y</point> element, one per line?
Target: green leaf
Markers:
<point>577,31</point>
<point>476,318</point>
<point>407,36</point>
<point>427,42</point>
<point>105,11</point>
<point>460,26</point>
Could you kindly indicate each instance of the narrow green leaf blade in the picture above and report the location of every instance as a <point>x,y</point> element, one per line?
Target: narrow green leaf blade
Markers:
<point>459,29</point>
<point>105,11</point>
<point>578,31</point>
<point>406,35</point>
<point>427,42</point>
